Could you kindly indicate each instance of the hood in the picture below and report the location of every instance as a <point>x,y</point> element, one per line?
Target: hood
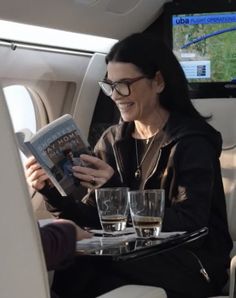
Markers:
<point>176,128</point>
<point>179,127</point>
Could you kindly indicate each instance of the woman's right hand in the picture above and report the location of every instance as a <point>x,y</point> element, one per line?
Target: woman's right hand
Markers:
<point>36,177</point>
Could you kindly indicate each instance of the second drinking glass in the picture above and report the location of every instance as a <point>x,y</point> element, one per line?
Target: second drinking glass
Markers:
<point>147,210</point>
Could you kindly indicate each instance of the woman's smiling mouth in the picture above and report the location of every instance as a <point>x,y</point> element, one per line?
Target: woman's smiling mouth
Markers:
<point>124,106</point>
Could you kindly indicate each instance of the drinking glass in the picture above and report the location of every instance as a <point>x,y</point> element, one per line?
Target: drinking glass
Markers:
<point>147,210</point>
<point>113,208</point>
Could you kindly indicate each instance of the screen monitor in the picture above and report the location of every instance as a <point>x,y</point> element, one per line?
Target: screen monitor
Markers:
<point>204,42</point>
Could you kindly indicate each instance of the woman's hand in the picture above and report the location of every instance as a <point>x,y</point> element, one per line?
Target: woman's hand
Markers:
<point>35,175</point>
<point>96,175</point>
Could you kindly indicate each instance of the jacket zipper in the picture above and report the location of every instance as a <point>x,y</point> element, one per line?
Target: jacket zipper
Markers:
<point>203,271</point>
<point>118,164</point>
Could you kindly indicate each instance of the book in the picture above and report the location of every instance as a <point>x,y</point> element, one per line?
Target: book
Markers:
<point>56,147</point>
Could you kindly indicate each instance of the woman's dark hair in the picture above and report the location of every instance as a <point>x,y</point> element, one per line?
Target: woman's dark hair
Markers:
<point>150,55</point>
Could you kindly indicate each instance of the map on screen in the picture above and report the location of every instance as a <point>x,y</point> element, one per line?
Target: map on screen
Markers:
<point>204,44</point>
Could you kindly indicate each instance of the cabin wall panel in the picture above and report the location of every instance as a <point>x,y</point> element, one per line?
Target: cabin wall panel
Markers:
<point>38,65</point>
<point>108,19</point>
<point>55,77</point>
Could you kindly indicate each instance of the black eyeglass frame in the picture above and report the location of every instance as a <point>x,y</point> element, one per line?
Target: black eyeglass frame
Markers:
<point>113,85</point>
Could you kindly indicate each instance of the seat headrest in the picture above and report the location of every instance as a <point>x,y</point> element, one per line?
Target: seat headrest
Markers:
<point>223,116</point>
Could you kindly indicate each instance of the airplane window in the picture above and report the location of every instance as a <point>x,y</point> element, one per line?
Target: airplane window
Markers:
<point>21,108</point>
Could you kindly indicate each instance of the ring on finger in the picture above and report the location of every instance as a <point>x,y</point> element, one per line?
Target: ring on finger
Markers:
<point>93,181</point>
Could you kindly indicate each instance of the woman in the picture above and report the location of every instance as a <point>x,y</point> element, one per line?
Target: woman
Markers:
<point>161,142</point>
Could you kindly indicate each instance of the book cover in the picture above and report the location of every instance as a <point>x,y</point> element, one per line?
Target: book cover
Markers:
<point>57,147</point>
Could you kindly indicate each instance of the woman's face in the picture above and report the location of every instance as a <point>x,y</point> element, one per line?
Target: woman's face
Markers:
<point>143,98</point>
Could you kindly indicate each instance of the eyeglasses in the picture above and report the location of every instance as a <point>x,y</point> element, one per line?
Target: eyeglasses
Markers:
<point>122,87</point>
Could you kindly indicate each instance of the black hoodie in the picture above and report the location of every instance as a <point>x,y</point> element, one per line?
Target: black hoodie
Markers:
<point>187,166</point>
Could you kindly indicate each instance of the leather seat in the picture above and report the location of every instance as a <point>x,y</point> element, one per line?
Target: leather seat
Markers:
<point>23,271</point>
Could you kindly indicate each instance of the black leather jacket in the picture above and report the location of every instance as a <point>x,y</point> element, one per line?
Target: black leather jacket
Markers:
<point>187,167</point>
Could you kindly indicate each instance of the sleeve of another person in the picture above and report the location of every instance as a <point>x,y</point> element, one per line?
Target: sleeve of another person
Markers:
<point>58,241</point>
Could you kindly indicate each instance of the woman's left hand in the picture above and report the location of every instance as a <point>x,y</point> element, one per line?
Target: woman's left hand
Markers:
<point>96,175</point>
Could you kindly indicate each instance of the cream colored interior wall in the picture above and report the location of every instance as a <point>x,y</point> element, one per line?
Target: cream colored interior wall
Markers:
<point>55,78</point>
<point>54,95</point>
<point>108,18</point>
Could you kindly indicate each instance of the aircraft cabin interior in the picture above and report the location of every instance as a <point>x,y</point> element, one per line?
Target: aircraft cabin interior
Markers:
<point>52,55</point>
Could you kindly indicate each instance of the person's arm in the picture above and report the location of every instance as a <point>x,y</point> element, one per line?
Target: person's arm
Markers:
<point>83,212</point>
<point>71,207</point>
<point>103,168</point>
<point>59,240</point>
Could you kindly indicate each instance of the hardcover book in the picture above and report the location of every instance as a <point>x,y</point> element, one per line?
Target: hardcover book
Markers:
<point>57,147</point>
